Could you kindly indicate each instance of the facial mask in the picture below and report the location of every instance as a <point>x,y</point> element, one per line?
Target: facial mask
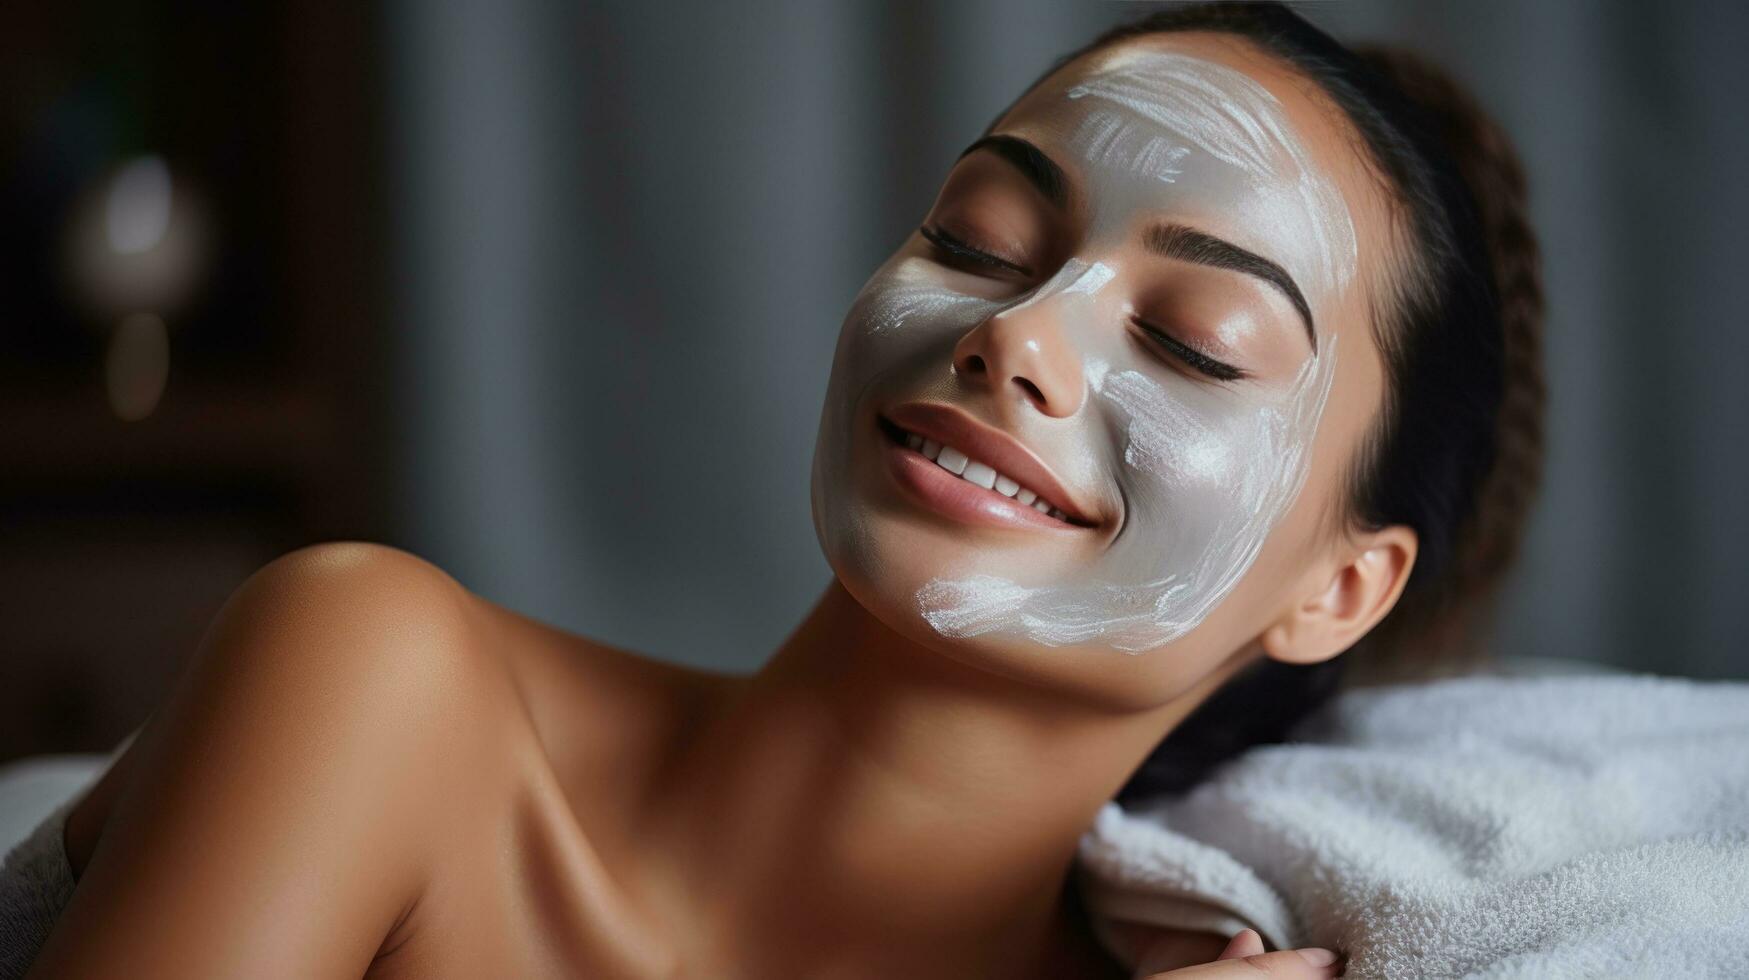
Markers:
<point>1204,470</point>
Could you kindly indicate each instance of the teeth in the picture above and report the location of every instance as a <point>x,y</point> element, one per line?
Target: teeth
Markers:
<point>982,474</point>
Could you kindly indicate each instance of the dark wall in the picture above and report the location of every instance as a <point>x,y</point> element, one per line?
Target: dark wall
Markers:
<point>191,333</point>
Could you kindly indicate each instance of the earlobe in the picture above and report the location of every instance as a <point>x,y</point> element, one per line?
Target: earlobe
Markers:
<point>1354,596</point>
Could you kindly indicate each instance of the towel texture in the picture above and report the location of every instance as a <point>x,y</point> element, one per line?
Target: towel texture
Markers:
<point>36,882</point>
<point>1486,827</point>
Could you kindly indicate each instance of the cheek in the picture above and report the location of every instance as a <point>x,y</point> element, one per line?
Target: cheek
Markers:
<point>1173,449</point>
<point>1193,459</point>
<point>1206,474</point>
<point>906,311</point>
<point>907,301</point>
<point>1205,499</point>
<point>902,325</point>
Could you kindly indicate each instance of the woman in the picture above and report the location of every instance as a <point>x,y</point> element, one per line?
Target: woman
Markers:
<point>1205,360</point>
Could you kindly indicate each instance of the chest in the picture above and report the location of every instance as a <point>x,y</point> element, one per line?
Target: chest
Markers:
<point>525,894</point>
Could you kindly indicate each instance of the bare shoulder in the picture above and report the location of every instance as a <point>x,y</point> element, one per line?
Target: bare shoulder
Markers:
<point>605,716</point>
<point>367,628</point>
<point>383,640</point>
<point>340,718</point>
<point>400,603</point>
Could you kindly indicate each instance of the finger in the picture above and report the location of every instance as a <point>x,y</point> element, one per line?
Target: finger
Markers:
<point>1289,964</point>
<point>1245,942</point>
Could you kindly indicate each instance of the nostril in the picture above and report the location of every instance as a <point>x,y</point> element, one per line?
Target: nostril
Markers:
<point>1032,391</point>
<point>973,365</point>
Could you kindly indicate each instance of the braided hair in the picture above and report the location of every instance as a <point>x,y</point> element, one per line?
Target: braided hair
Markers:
<point>1456,451</point>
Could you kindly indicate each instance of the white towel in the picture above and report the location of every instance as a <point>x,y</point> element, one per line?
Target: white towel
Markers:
<point>31,787</point>
<point>36,879</point>
<point>1484,827</point>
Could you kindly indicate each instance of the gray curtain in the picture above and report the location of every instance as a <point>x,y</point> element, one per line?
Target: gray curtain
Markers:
<point>625,235</point>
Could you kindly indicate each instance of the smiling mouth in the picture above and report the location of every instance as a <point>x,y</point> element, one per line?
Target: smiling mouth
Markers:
<point>979,474</point>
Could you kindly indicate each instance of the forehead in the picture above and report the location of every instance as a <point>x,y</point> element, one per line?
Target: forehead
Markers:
<point>1307,113</point>
<point>1211,128</point>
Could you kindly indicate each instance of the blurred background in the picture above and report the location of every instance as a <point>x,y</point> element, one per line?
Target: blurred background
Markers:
<point>547,293</point>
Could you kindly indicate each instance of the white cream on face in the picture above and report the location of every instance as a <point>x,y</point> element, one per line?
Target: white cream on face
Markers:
<point>1204,469</point>
<point>1224,116</point>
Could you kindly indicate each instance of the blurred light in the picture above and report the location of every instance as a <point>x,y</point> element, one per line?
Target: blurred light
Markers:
<point>135,241</point>
<point>137,212</point>
<point>137,366</point>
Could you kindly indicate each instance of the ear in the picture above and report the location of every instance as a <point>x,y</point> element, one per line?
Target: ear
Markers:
<point>1346,601</point>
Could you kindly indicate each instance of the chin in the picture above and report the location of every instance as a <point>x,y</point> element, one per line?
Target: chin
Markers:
<point>890,557</point>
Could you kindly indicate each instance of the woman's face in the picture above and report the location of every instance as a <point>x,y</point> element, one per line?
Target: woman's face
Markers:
<point>1086,426</point>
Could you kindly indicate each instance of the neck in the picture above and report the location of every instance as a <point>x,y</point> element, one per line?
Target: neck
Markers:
<point>863,798</point>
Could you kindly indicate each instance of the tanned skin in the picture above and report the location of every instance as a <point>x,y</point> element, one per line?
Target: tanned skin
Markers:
<point>370,771</point>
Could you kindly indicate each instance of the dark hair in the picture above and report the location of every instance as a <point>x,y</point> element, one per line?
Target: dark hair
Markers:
<point>1455,453</point>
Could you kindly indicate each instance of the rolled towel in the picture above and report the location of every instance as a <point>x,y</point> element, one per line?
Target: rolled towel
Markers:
<point>36,879</point>
<point>36,883</point>
<point>1482,827</point>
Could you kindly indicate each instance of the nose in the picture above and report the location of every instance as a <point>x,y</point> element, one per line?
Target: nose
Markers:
<point>1024,348</point>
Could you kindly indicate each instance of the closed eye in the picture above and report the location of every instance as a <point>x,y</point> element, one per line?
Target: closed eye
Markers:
<point>959,252</point>
<point>1191,357</point>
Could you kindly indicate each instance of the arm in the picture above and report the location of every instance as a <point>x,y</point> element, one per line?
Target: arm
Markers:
<point>278,813</point>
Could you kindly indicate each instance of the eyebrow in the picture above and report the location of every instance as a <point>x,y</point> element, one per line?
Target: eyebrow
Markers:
<point>1175,241</point>
<point>1040,170</point>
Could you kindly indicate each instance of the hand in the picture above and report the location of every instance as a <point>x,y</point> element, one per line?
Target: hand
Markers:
<point>1244,957</point>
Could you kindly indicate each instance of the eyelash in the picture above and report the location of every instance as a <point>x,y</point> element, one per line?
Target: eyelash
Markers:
<point>1194,359</point>
<point>949,246</point>
<point>952,247</point>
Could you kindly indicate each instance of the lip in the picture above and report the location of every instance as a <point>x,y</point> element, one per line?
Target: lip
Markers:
<point>953,427</point>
